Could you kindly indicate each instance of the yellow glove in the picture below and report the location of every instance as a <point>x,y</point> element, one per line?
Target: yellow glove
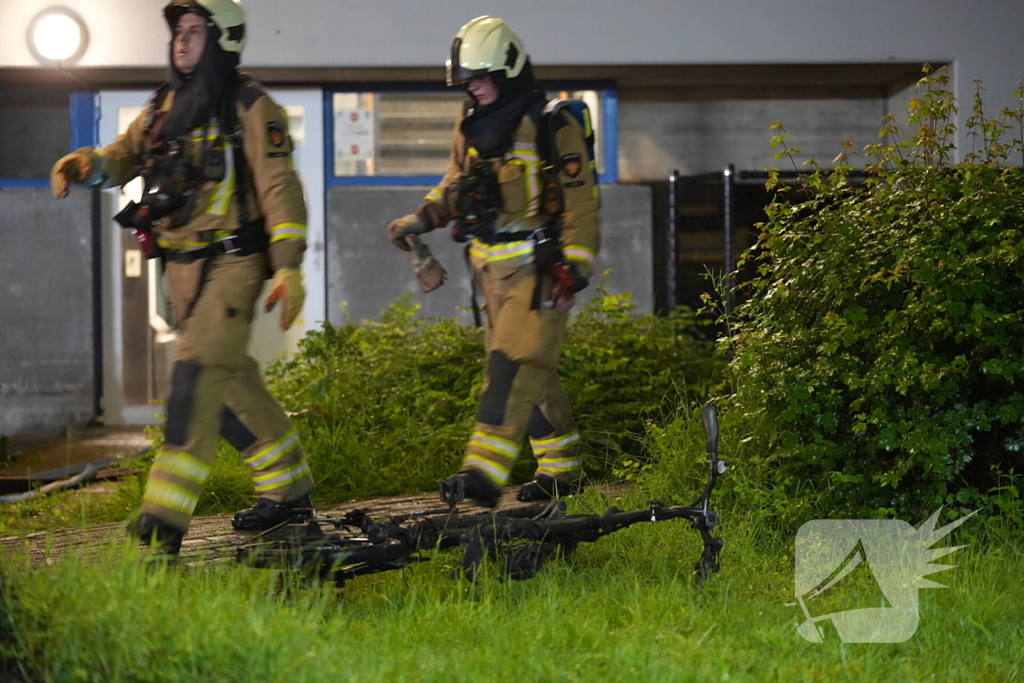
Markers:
<point>287,288</point>
<point>73,168</point>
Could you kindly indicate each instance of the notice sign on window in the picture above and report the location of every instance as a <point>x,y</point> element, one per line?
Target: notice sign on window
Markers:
<point>353,134</point>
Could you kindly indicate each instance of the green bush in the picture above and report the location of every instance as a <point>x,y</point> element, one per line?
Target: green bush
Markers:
<point>383,407</point>
<point>386,406</point>
<point>882,347</point>
<point>622,370</point>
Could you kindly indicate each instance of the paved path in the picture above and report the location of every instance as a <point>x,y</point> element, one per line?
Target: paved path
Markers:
<point>212,539</point>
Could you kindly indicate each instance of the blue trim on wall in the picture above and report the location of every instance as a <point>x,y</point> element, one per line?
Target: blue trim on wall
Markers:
<point>398,87</point>
<point>610,147</point>
<point>85,132</point>
<point>328,136</point>
<point>328,150</point>
<point>24,182</point>
<point>85,120</point>
<point>364,180</point>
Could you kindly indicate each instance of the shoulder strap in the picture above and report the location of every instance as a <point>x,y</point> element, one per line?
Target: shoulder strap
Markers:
<point>547,127</point>
<point>155,103</point>
<point>231,128</point>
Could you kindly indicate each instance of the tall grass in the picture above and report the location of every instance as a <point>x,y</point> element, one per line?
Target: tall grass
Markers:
<point>623,609</point>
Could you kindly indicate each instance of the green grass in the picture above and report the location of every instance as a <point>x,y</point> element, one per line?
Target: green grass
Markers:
<point>622,609</point>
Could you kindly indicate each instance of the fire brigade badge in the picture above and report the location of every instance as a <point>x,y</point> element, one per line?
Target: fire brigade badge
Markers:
<point>572,164</point>
<point>275,133</point>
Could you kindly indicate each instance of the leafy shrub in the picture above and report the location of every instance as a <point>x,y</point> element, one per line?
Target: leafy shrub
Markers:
<point>883,340</point>
<point>621,370</point>
<point>386,406</point>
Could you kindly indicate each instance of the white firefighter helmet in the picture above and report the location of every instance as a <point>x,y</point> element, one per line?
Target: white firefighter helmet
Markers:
<point>227,15</point>
<point>485,45</point>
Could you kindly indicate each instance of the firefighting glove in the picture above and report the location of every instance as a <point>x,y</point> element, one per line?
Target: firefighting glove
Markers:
<point>403,227</point>
<point>73,168</point>
<point>429,271</point>
<point>428,216</point>
<point>287,288</point>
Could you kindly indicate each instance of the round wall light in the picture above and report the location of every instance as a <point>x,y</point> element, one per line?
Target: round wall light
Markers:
<point>57,36</point>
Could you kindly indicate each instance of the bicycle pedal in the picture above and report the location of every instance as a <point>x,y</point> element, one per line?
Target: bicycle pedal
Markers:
<point>452,490</point>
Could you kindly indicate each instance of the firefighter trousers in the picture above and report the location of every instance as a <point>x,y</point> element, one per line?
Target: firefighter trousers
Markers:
<point>522,394</point>
<point>216,388</point>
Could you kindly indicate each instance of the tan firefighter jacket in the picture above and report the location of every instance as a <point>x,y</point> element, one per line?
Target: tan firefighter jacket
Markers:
<point>522,187</point>
<point>277,193</point>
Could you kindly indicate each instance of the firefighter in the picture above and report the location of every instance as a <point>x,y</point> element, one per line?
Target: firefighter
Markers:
<point>224,208</point>
<point>527,268</point>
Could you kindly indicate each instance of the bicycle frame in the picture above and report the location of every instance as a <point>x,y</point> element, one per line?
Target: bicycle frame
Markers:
<point>521,537</point>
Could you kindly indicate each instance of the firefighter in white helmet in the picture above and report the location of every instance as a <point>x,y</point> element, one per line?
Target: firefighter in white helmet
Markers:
<point>224,209</point>
<point>529,255</point>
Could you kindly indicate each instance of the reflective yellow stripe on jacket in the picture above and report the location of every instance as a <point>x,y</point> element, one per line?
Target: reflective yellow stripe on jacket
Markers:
<point>525,153</point>
<point>288,231</point>
<point>500,252</point>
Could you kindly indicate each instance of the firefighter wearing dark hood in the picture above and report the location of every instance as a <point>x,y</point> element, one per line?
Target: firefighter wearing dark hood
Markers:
<point>526,307</point>
<point>225,209</point>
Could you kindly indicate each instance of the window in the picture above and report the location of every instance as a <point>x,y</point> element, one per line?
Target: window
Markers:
<point>401,137</point>
<point>36,131</point>
<point>380,134</point>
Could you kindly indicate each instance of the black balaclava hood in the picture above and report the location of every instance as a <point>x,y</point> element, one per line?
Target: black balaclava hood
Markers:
<point>197,95</point>
<point>490,128</point>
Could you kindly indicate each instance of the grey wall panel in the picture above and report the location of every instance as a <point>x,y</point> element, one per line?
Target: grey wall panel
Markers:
<point>366,273</point>
<point>701,137</point>
<point>982,38</point>
<point>46,310</point>
<point>626,229</point>
<point>402,33</point>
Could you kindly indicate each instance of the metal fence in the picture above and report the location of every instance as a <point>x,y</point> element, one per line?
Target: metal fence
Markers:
<point>703,224</point>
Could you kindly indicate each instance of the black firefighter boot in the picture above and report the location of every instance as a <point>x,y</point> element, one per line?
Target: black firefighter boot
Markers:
<point>267,514</point>
<point>546,487</point>
<point>469,484</point>
<point>161,537</point>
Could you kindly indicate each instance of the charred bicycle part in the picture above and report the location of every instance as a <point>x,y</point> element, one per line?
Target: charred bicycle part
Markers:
<point>520,539</point>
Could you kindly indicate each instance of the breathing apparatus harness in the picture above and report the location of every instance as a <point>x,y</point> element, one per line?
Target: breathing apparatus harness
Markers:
<point>171,183</point>
<point>477,203</point>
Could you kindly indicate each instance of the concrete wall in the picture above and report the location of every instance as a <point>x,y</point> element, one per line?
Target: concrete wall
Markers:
<point>980,38</point>
<point>701,137</point>
<point>366,273</point>
<point>46,310</point>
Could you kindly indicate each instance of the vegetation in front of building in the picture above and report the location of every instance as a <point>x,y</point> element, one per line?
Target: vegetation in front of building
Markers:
<point>875,369</point>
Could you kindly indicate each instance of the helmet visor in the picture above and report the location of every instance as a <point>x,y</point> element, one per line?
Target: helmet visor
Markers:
<point>457,73</point>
